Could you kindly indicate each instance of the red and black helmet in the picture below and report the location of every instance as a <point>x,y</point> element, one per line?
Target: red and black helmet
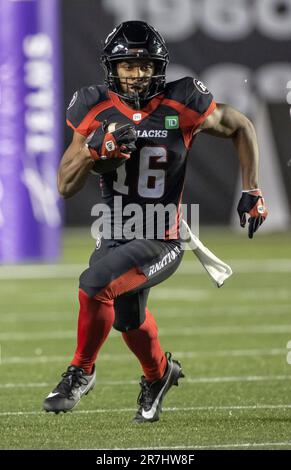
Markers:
<point>135,40</point>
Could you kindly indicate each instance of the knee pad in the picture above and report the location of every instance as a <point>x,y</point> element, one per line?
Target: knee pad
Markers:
<point>130,310</point>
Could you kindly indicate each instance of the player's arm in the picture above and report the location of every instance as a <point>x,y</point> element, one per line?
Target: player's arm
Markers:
<point>226,121</point>
<point>74,167</point>
<point>118,141</point>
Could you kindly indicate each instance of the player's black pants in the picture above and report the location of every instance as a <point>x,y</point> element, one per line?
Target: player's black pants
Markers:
<point>124,272</point>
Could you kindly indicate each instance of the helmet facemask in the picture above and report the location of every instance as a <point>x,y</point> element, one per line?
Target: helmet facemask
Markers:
<point>135,89</point>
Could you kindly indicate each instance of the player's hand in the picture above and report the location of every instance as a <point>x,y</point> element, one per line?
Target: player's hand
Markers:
<point>114,141</point>
<point>252,203</point>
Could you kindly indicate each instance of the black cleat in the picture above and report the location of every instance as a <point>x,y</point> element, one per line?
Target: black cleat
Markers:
<point>69,391</point>
<point>152,393</point>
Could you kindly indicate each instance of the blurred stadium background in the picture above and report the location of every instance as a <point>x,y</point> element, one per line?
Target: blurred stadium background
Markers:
<point>232,342</point>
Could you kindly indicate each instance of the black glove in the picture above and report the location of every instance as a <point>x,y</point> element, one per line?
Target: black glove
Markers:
<point>119,143</point>
<point>252,203</point>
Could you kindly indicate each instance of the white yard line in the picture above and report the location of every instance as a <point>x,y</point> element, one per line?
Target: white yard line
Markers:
<point>188,380</point>
<point>160,311</point>
<point>180,294</point>
<point>216,311</point>
<point>213,446</point>
<point>193,294</point>
<point>40,317</point>
<point>225,330</point>
<point>187,331</point>
<point>175,409</point>
<point>41,271</point>
<point>129,357</point>
<point>197,380</point>
<point>59,271</point>
<point>37,335</point>
<point>164,294</point>
<point>250,378</point>
<point>243,266</point>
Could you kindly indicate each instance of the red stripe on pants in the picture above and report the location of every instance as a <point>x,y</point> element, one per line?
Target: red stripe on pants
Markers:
<point>124,283</point>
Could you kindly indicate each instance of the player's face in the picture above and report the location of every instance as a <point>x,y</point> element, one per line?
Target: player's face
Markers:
<point>135,75</point>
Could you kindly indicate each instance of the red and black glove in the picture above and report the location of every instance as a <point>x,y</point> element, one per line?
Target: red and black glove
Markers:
<point>119,143</point>
<point>252,203</point>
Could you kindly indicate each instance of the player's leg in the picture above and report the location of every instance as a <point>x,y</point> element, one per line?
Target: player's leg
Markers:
<point>124,269</point>
<point>161,372</point>
<point>140,332</point>
<point>113,270</point>
<point>94,324</point>
<point>139,328</point>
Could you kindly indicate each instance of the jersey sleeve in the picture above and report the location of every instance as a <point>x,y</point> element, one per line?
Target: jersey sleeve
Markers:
<point>82,110</point>
<point>199,100</point>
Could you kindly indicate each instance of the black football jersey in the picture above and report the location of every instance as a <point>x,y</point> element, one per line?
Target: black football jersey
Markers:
<point>154,174</point>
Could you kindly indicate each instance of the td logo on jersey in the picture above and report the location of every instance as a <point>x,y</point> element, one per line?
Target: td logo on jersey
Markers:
<point>171,122</point>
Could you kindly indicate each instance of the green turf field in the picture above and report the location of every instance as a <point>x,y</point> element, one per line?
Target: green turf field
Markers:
<point>232,343</point>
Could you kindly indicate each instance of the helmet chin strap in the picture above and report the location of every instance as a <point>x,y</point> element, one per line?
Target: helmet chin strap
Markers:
<point>137,96</point>
<point>136,100</point>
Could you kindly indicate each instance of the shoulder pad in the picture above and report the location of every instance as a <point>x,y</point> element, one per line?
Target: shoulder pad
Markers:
<point>176,90</point>
<point>191,93</point>
<point>82,102</point>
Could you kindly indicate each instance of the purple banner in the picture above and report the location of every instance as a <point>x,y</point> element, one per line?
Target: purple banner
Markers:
<point>30,140</point>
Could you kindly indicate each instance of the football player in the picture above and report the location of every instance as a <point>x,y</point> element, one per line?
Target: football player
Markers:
<point>136,131</point>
